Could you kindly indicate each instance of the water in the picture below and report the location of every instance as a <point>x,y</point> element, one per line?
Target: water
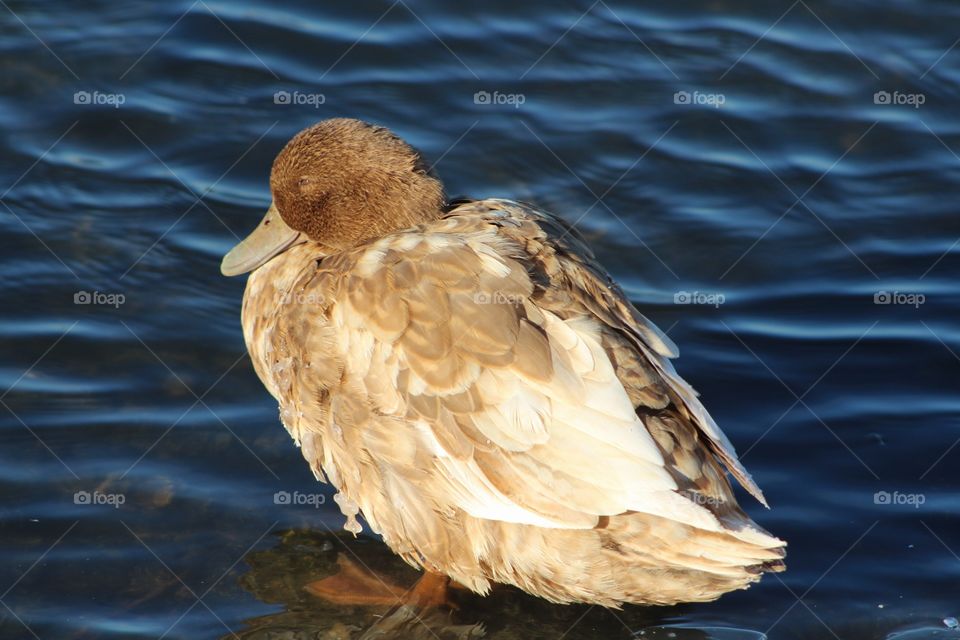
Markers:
<point>775,190</point>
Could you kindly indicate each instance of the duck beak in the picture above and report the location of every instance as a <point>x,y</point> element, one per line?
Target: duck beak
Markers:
<point>271,237</point>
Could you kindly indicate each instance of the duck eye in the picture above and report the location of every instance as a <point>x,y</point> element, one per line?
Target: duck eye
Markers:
<point>303,181</point>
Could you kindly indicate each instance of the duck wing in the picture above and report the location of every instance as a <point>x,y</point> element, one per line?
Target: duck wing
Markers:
<point>580,284</point>
<point>485,362</point>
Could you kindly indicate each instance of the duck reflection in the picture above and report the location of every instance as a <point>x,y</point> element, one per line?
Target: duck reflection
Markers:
<point>284,574</point>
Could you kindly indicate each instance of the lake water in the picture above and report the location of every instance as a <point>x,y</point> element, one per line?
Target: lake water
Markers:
<point>776,185</point>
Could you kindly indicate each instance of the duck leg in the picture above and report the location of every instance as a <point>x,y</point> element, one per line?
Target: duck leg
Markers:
<point>358,586</point>
<point>431,590</point>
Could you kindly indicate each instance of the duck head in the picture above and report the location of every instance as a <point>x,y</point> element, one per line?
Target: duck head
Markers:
<point>339,184</point>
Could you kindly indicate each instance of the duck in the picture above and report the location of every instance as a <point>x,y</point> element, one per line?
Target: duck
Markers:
<point>480,392</point>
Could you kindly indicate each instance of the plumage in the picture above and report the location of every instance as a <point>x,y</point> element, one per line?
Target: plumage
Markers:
<point>484,396</point>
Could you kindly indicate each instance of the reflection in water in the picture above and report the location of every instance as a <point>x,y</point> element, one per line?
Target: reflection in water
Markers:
<point>406,622</point>
<point>401,622</point>
<point>279,576</point>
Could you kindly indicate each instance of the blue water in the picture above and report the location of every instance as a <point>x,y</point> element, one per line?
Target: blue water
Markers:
<point>777,192</point>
